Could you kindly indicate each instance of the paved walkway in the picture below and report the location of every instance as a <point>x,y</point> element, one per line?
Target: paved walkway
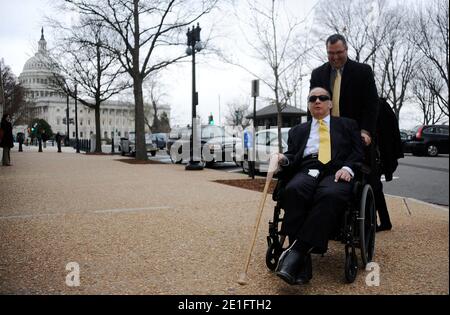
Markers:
<point>158,229</point>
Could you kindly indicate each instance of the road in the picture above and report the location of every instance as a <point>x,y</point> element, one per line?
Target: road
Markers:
<point>421,178</point>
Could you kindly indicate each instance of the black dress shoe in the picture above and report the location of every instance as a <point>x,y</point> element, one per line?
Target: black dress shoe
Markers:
<point>305,272</point>
<point>288,265</point>
<point>384,227</point>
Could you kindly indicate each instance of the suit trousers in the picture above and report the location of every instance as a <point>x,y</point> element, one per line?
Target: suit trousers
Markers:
<point>314,208</point>
<point>6,160</point>
<point>380,203</point>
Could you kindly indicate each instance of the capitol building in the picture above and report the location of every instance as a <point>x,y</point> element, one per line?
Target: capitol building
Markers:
<point>116,117</point>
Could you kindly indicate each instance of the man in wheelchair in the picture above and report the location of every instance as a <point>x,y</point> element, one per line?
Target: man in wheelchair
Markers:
<point>320,162</point>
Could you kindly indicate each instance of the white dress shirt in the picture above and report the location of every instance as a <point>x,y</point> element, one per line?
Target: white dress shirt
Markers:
<point>312,145</point>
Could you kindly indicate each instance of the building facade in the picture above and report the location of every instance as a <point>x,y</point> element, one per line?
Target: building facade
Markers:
<point>116,117</point>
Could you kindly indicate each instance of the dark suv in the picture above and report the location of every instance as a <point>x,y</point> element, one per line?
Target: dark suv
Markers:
<point>429,140</point>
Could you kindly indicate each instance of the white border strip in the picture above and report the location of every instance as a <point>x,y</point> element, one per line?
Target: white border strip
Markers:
<point>107,211</point>
<point>131,209</point>
<point>421,202</point>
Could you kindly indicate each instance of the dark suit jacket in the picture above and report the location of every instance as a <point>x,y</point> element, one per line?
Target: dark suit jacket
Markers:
<point>388,140</point>
<point>358,98</point>
<point>7,141</point>
<point>346,145</point>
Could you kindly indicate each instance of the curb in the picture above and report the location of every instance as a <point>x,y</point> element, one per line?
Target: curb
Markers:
<point>442,208</point>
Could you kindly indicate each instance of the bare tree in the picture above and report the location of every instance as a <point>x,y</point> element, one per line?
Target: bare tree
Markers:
<point>12,96</point>
<point>144,27</point>
<point>155,96</point>
<point>236,114</point>
<point>277,41</point>
<point>365,24</point>
<point>431,36</point>
<point>425,96</point>
<point>81,59</point>
<point>398,60</point>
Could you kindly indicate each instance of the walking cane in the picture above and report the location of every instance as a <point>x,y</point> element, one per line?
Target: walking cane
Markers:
<point>273,166</point>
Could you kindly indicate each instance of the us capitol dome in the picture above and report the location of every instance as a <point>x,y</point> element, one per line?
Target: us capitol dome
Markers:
<point>48,103</point>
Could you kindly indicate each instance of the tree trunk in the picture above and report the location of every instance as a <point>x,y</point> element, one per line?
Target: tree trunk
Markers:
<point>141,151</point>
<point>98,132</point>
<point>139,122</point>
<point>156,124</point>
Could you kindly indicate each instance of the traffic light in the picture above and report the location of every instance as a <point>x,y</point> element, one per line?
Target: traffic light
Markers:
<point>210,119</point>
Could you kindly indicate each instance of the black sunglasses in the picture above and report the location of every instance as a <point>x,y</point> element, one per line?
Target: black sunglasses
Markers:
<point>322,98</point>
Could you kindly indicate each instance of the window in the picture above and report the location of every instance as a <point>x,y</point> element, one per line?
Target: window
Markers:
<point>105,135</point>
<point>429,130</point>
<point>81,122</point>
<point>73,134</point>
<point>273,139</point>
<point>442,130</point>
<point>89,122</point>
<point>58,121</point>
<point>81,134</point>
<point>261,138</point>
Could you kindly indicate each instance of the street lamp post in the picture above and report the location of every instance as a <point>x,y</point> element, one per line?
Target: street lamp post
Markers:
<point>77,143</point>
<point>194,44</point>
<point>67,140</point>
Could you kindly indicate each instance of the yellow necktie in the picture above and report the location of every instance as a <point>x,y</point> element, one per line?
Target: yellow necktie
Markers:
<point>336,94</point>
<point>324,143</point>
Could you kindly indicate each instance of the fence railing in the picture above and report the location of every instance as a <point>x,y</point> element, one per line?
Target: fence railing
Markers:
<point>84,144</point>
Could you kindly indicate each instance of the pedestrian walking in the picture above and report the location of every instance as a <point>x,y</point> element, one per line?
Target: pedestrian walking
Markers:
<point>6,139</point>
<point>58,141</point>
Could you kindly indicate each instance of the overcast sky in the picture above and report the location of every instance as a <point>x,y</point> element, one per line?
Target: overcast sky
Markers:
<point>217,83</point>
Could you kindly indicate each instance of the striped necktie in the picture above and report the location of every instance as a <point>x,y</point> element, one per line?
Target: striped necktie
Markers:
<point>324,143</point>
<point>336,94</point>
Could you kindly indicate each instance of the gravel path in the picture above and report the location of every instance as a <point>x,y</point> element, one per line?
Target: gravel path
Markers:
<point>158,229</point>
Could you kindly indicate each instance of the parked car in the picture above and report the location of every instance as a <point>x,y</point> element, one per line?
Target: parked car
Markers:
<point>128,145</point>
<point>267,144</point>
<point>160,139</point>
<point>175,135</point>
<point>220,145</point>
<point>406,137</point>
<point>429,140</point>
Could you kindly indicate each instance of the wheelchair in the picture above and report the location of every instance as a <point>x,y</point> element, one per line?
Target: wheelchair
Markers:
<point>357,229</point>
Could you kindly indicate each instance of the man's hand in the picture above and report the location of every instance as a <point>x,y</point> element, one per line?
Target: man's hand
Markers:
<point>276,160</point>
<point>366,138</point>
<point>342,174</point>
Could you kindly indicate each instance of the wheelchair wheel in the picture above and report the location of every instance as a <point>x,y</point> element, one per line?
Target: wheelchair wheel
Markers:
<point>351,265</point>
<point>367,225</point>
<point>273,252</point>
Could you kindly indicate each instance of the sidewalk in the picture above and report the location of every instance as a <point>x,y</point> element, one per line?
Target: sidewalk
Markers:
<point>158,229</point>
